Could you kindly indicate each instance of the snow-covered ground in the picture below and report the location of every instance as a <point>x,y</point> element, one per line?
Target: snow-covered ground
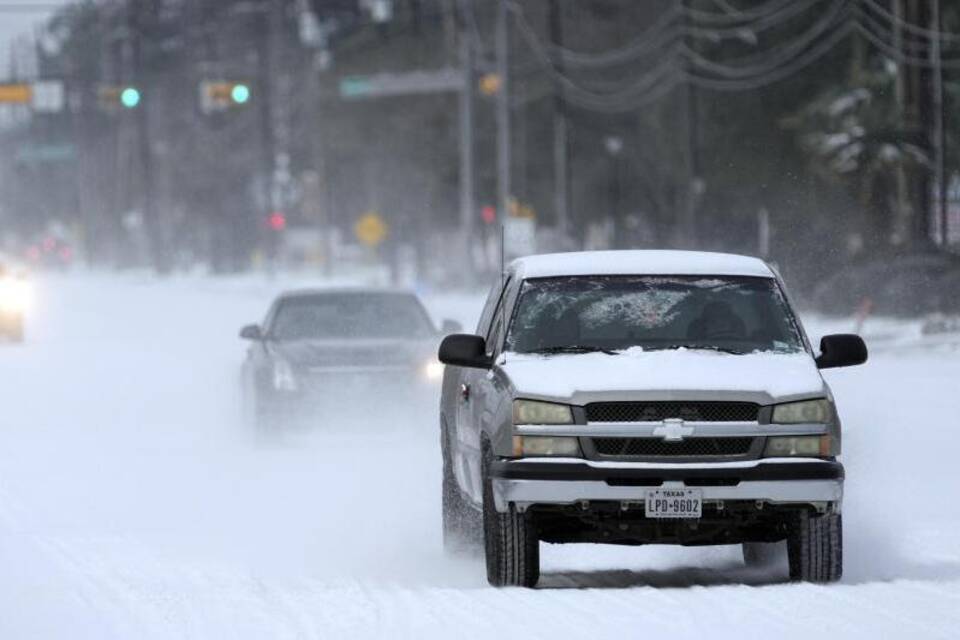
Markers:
<point>133,503</point>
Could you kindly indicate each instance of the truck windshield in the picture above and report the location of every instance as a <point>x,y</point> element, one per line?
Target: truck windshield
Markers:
<point>582,314</point>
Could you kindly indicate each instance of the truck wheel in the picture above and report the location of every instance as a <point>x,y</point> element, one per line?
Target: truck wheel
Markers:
<point>815,548</point>
<point>510,543</point>
<point>452,506</point>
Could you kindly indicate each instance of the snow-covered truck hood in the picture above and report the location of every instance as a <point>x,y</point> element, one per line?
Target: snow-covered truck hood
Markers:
<point>764,377</point>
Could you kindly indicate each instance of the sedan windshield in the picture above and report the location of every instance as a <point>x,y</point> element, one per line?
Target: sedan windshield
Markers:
<point>350,316</point>
<point>606,314</point>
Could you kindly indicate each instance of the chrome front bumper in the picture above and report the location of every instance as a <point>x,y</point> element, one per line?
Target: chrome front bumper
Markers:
<point>569,481</point>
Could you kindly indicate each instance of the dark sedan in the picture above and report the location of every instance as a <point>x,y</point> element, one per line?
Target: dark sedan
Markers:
<point>320,351</point>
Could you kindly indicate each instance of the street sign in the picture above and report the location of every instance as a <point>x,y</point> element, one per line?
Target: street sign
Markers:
<point>45,153</point>
<point>371,229</point>
<point>518,209</point>
<point>354,87</point>
<point>400,84</point>
<point>16,93</point>
<point>44,96</point>
<point>47,96</point>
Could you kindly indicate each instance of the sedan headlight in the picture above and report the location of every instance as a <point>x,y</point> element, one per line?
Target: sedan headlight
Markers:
<point>14,295</point>
<point>803,446</point>
<point>433,370</point>
<point>799,412</point>
<point>536,412</point>
<point>563,446</point>
<point>284,378</point>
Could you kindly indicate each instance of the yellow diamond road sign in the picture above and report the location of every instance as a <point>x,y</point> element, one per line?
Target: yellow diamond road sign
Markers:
<point>371,229</point>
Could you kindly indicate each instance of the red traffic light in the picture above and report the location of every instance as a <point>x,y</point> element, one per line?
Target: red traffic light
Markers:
<point>277,221</point>
<point>489,214</point>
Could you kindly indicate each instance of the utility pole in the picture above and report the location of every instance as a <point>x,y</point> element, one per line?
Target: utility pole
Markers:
<point>561,148</point>
<point>900,92</point>
<point>152,223</point>
<point>467,156</point>
<point>273,124</point>
<point>936,64</point>
<point>503,109</point>
<point>688,226</point>
<point>915,86</point>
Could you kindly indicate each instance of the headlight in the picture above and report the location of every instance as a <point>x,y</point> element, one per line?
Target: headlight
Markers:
<point>806,411</point>
<point>14,295</point>
<point>433,370</point>
<point>546,446</point>
<point>806,446</point>
<point>535,412</point>
<point>284,378</point>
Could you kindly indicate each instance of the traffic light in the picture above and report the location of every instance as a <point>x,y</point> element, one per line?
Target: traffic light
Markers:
<point>112,97</point>
<point>222,95</point>
<point>488,214</point>
<point>240,93</point>
<point>130,97</point>
<point>490,84</point>
<point>277,221</point>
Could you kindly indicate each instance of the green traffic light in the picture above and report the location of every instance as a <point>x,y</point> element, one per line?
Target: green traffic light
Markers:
<point>240,93</point>
<point>130,97</point>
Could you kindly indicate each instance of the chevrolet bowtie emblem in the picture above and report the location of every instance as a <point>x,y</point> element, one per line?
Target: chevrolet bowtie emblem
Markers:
<point>673,430</point>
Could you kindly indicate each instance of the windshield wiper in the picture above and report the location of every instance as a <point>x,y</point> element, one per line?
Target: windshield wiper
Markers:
<point>573,348</point>
<point>699,347</point>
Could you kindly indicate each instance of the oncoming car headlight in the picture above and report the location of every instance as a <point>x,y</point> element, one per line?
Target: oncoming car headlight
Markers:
<point>433,370</point>
<point>537,412</point>
<point>14,295</point>
<point>799,412</point>
<point>284,379</point>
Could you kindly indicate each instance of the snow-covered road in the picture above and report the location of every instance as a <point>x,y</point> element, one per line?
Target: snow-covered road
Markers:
<point>133,504</point>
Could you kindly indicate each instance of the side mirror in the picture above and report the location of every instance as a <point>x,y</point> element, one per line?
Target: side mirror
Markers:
<point>464,350</point>
<point>450,326</point>
<point>251,332</point>
<point>841,350</point>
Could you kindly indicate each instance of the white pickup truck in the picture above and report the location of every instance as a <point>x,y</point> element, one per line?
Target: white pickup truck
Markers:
<point>642,397</point>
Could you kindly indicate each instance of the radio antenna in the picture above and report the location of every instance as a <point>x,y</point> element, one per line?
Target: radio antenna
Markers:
<point>503,281</point>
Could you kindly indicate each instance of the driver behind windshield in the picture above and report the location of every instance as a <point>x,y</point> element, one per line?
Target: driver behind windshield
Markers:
<point>579,314</point>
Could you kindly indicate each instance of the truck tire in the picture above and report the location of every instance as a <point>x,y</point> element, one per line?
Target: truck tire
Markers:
<point>454,517</point>
<point>815,548</point>
<point>510,543</point>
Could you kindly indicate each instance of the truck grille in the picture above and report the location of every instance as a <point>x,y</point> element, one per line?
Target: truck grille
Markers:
<point>657,448</point>
<point>658,411</point>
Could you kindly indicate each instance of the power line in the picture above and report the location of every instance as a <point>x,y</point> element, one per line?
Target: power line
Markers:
<point>665,30</point>
<point>898,56</point>
<point>843,18</point>
<point>798,64</point>
<point>763,11</point>
<point>907,26</point>
<point>772,60</point>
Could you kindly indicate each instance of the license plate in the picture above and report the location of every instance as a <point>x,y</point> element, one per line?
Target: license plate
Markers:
<point>674,503</point>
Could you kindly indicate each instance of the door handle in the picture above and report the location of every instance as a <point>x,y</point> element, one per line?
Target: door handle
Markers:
<point>465,392</point>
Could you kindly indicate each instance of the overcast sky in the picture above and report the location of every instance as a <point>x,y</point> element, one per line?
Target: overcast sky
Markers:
<point>19,21</point>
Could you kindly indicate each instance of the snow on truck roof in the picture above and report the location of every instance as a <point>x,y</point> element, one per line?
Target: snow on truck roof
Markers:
<point>640,262</point>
